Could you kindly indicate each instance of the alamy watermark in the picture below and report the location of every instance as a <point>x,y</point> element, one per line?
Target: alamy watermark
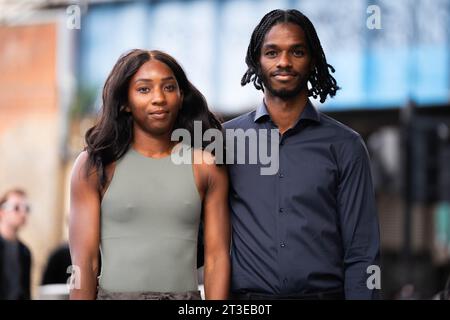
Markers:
<point>233,146</point>
<point>374,20</point>
<point>73,21</point>
<point>73,17</point>
<point>74,281</point>
<point>374,280</point>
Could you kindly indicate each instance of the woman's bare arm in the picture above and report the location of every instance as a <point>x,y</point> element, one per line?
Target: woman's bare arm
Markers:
<point>217,230</point>
<point>84,230</point>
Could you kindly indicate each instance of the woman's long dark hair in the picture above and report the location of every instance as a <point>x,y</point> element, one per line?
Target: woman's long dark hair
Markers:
<point>110,138</point>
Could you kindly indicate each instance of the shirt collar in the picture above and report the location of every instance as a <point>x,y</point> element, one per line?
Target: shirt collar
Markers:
<point>309,112</point>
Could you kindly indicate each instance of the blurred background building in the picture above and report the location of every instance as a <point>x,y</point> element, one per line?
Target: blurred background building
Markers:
<point>395,77</point>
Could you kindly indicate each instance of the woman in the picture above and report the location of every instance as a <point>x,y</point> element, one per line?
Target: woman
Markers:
<point>129,198</point>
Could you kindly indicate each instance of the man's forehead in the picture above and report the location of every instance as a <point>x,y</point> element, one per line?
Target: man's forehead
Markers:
<point>16,197</point>
<point>283,33</point>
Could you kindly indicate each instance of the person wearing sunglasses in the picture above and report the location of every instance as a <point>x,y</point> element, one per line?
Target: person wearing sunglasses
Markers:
<point>15,257</point>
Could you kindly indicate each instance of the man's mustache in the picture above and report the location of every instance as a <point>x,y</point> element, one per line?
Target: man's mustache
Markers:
<point>284,72</point>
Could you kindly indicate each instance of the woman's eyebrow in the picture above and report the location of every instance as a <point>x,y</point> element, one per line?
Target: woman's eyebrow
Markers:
<point>150,80</point>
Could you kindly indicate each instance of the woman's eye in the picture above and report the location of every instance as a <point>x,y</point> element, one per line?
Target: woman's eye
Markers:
<point>169,87</point>
<point>143,90</point>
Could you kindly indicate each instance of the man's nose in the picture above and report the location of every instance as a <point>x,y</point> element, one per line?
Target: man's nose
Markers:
<point>284,61</point>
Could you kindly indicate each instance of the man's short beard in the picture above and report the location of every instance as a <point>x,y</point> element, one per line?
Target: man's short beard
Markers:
<point>283,93</point>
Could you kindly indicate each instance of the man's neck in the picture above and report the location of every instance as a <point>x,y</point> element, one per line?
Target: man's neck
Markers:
<point>8,233</point>
<point>151,145</point>
<point>285,112</point>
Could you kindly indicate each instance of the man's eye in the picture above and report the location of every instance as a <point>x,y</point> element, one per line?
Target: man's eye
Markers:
<point>271,53</point>
<point>143,90</point>
<point>299,53</point>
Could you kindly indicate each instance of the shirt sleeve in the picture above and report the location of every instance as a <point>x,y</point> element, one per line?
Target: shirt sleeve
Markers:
<point>358,222</point>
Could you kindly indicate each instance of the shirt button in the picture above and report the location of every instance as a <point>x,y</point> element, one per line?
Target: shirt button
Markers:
<point>282,244</point>
<point>281,210</point>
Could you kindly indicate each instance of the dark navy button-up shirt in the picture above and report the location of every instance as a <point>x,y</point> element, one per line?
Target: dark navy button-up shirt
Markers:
<point>311,227</point>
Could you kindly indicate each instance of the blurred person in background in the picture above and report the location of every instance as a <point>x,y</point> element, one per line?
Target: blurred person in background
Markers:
<point>15,257</point>
<point>311,230</point>
<point>55,279</point>
<point>56,270</point>
<point>132,200</point>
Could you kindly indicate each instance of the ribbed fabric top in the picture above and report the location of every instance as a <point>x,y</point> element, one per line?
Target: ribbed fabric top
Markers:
<point>149,226</point>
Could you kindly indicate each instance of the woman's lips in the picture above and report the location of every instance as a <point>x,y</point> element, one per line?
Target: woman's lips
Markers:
<point>159,115</point>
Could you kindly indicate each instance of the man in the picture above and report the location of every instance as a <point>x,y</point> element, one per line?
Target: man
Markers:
<point>311,230</point>
<point>15,258</point>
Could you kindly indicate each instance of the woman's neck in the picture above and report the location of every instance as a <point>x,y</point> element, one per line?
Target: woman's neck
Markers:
<point>152,145</point>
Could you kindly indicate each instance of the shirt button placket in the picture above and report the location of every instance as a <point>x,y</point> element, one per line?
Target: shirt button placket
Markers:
<point>281,214</point>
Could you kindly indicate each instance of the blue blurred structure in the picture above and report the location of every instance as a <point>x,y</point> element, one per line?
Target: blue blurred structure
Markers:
<point>407,59</point>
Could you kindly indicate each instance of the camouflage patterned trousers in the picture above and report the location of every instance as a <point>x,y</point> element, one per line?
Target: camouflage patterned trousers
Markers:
<point>107,295</point>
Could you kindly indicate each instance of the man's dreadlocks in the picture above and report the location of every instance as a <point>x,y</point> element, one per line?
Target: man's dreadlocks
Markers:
<point>322,82</point>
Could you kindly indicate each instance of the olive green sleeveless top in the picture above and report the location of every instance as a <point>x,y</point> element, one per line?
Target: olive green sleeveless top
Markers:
<point>150,216</point>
